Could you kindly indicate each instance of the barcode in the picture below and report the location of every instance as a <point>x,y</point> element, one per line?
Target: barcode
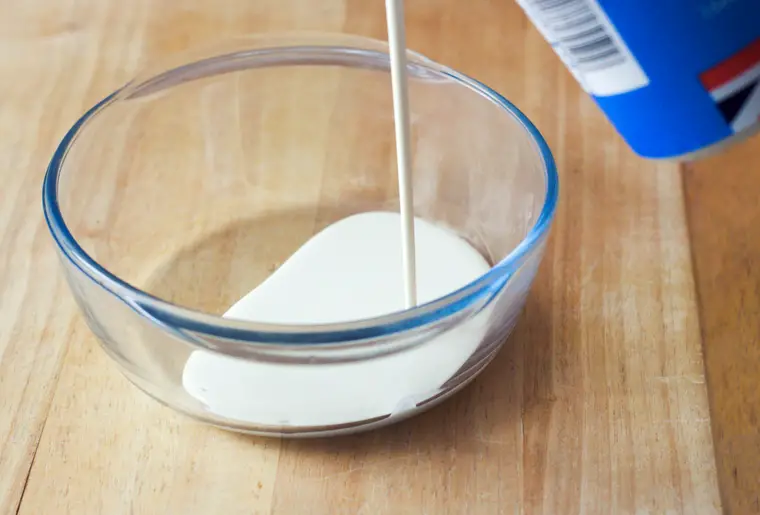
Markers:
<point>586,40</point>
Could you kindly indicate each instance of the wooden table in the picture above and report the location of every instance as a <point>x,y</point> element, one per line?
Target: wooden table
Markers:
<point>598,404</point>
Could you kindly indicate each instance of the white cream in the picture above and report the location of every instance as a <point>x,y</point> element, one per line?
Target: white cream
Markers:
<point>350,270</point>
<point>394,11</point>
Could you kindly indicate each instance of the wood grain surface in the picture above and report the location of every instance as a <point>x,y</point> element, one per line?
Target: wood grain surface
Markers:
<point>597,404</point>
<point>724,218</point>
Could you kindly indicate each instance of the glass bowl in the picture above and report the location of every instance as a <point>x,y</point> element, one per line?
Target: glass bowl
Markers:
<point>180,192</point>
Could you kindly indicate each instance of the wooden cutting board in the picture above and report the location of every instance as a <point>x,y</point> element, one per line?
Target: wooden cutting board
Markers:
<point>724,221</point>
<point>597,404</point>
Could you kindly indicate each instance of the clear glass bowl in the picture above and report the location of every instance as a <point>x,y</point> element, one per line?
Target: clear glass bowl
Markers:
<point>182,191</point>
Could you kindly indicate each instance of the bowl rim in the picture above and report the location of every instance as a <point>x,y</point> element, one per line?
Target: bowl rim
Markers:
<point>189,323</point>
